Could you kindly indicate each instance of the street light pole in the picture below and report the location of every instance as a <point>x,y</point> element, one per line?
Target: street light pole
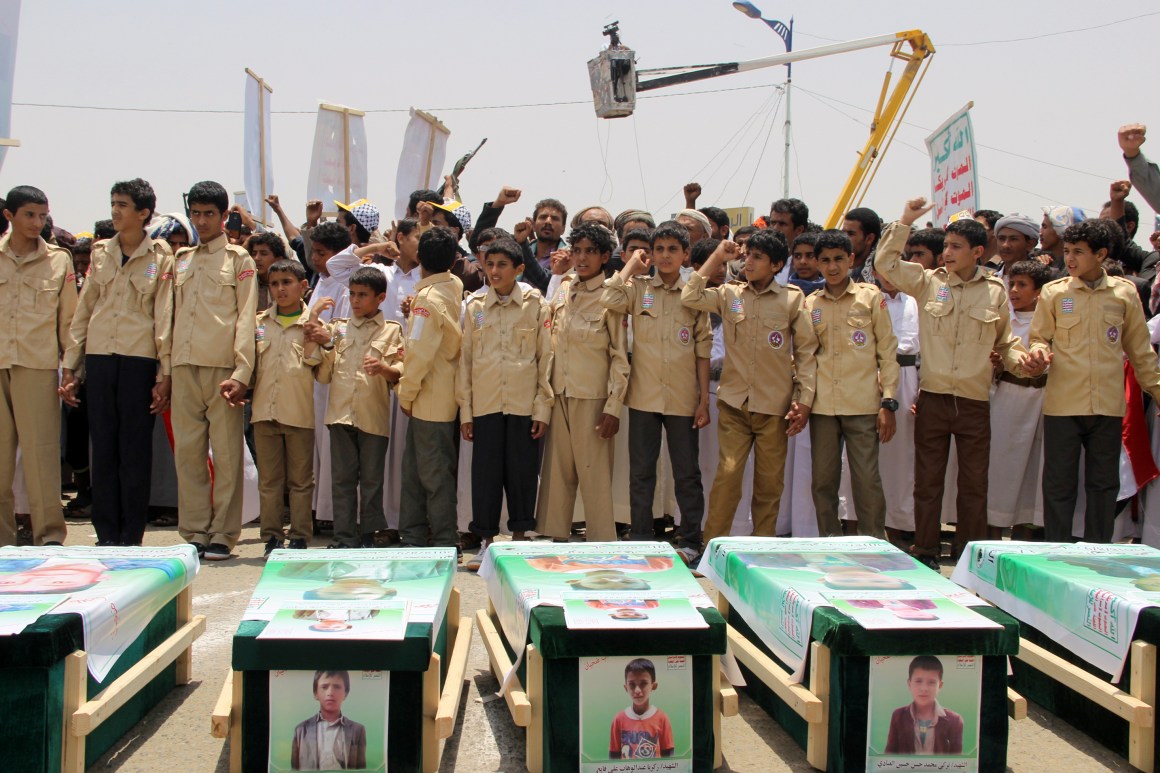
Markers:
<point>786,35</point>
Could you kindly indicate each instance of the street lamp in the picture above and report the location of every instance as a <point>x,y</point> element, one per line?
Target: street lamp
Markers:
<point>786,34</point>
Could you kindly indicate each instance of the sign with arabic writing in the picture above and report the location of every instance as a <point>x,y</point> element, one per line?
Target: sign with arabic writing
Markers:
<point>954,176</point>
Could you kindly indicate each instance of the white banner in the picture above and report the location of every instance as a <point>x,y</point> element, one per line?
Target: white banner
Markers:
<point>338,163</point>
<point>954,176</point>
<point>9,28</point>
<point>421,162</point>
<point>257,155</point>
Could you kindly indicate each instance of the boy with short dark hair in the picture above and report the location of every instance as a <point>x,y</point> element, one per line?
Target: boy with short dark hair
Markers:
<point>1084,326</point>
<point>668,386</point>
<point>641,731</point>
<point>426,395</point>
<point>963,317</point>
<point>767,383</point>
<point>266,248</point>
<point>360,359</point>
<point>122,336</point>
<point>39,297</point>
<point>924,726</point>
<point>1013,494</point>
<point>856,393</point>
<point>589,381</point>
<point>925,247</point>
<point>283,407</point>
<point>215,294</point>
<point>504,393</point>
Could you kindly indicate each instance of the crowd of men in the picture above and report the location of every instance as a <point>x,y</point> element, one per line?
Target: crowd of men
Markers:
<point>810,380</point>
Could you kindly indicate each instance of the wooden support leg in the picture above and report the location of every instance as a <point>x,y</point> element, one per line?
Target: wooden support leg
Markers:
<point>517,699</point>
<point>430,741</point>
<point>237,682</point>
<point>76,683</point>
<point>535,688</point>
<point>1016,705</point>
<point>817,743</point>
<point>184,661</point>
<point>223,711</point>
<point>1141,741</point>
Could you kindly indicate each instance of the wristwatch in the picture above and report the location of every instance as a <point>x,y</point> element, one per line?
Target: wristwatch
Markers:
<point>890,404</point>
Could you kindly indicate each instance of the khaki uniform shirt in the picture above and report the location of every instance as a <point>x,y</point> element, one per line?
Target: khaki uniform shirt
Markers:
<point>38,293</point>
<point>357,399</point>
<point>506,359</point>
<point>427,387</point>
<point>125,307</point>
<point>215,294</point>
<point>959,323</point>
<point>1088,330</point>
<point>769,346</point>
<point>590,345</point>
<point>284,378</point>
<point>667,340</point>
<point>857,351</point>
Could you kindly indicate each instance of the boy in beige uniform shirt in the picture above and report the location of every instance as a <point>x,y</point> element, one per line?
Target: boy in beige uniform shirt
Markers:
<point>857,387</point>
<point>283,407</point>
<point>361,358</point>
<point>767,380</point>
<point>215,293</point>
<point>38,293</point>
<point>505,396</point>
<point>962,317</point>
<point>122,334</point>
<point>589,381</point>
<point>669,384</point>
<point>427,396</point>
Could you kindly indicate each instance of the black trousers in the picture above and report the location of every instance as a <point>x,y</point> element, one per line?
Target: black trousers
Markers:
<point>1063,437</point>
<point>119,392</point>
<point>504,460</point>
<point>644,448</point>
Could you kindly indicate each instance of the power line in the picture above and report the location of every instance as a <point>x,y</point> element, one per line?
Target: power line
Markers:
<point>1054,34</point>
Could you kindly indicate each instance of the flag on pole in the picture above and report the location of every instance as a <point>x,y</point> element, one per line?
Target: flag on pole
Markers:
<point>421,162</point>
<point>257,154</point>
<point>9,29</point>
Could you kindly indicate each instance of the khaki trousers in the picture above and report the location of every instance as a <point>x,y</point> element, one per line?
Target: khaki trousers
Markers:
<point>30,419</point>
<point>202,418</point>
<point>285,460</point>
<point>859,434</point>
<point>576,457</point>
<point>738,431</point>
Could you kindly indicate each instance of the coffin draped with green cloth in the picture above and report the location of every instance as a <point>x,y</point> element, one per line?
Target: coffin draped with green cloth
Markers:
<point>116,604</point>
<point>1085,603</point>
<point>784,594</point>
<point>313,588</point>
<point>554,597</point>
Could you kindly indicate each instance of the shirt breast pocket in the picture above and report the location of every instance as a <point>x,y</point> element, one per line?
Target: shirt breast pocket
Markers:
<point>736,326</point>
<point>143,292</point>
<point>644,326</point>
<point>940,316</point>
<point>224,282</point>
<point>36,295</point>
<point>774,328</point>
<point>1068,332</point>
<point>984,324</point>
<point>1113,328</point>
<point>590,326</point>
<point>526,342</point>
<point>857,332</point>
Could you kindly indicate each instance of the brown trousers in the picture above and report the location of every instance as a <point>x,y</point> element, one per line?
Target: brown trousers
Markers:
<point>30,419</point>
<point>938,418</point>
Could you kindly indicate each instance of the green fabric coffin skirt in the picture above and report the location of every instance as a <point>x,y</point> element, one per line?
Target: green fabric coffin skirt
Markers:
<point>32,689</point>
<point>851,646</point>
<point>407,661</point>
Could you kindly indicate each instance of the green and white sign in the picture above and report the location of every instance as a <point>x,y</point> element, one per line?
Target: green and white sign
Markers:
<point>775,584</point>
<point>1086,597</point>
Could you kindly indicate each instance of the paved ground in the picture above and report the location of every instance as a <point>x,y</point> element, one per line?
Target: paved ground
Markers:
<point>176,735</point>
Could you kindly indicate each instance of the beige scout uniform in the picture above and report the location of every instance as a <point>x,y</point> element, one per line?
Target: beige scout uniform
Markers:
<point>38,294</point>
<point>668,338</point>
<point>1088,330</point>
<point>857,370</point>
<point>283,421</point>
<point>432,349</point>
<point>125,308</point>
<point>589,379</point>
<point>769,363</point>
<point>357,399</point>
<point>506,364</point>
<point>215,293</point>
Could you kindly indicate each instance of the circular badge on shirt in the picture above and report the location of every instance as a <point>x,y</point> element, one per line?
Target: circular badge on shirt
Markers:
<point>1113,334</point>
<point>684,336</point>
<point>776,339</point>
<point>858,337</point>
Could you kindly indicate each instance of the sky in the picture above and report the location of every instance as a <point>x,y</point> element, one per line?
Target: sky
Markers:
<point>1046,106</point>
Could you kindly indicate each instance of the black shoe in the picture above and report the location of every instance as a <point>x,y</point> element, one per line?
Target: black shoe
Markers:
<point>272,544</point>
<point>200,550</point>
<point>51,544</point>
<point>930,562</point>
<point>216,552</point>
<point>297,544</point>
